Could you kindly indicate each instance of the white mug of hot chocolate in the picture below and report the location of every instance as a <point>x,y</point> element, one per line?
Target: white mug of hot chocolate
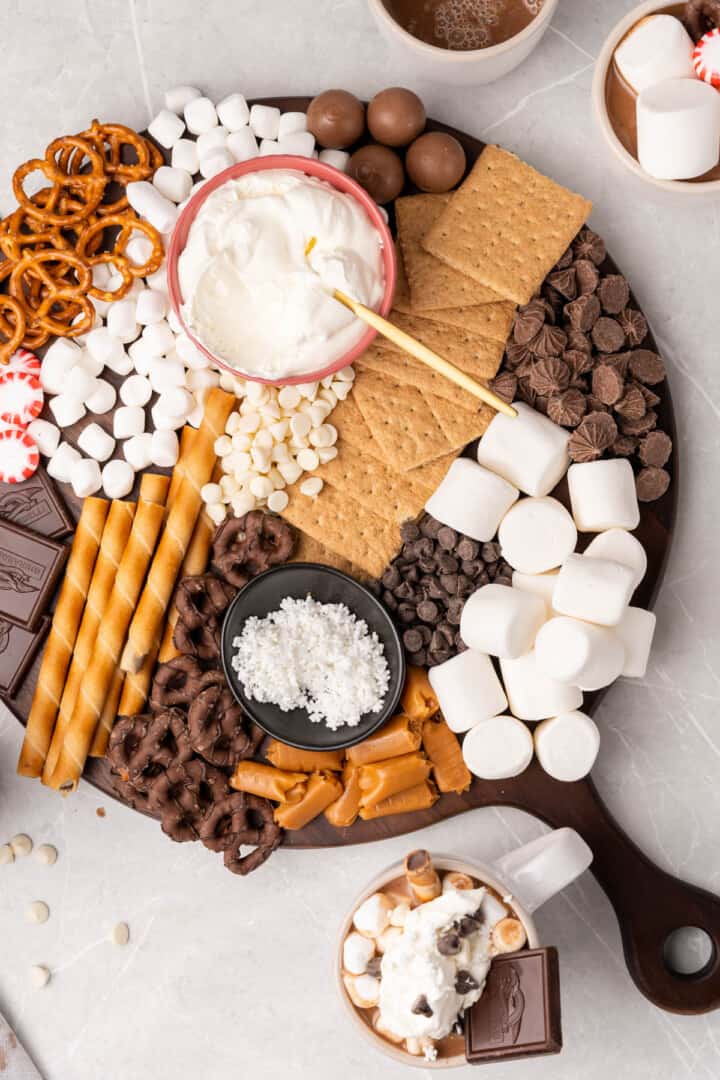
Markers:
<point>461,66</point>
<point>522,880</point>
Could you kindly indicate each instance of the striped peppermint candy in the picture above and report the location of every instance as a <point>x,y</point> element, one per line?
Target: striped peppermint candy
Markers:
<point>21,397</point>
<point>706,58</point>
<point>24,360</point>
<point>19,457</point>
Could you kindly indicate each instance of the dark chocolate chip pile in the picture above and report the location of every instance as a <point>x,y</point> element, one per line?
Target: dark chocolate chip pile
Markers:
<point>576,354</point>
<point>426,586</point>
<point>172,760</point>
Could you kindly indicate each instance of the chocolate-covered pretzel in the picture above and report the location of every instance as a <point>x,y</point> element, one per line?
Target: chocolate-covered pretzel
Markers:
<point>179,681</point>
<point>201,641</point>
<point>219,730</point>
<point>183,795</point>
<point>226,818</point>
<point>166,742</point>
<point>257,829</point>
<point>244,547</point>
<point>129,794</point>
<point>202,598</point>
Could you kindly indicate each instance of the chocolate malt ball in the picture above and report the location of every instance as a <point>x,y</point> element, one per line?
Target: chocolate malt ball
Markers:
<point>379,170</point>
<point>435,162</point>
<point>336,118</point>
<point>396,116</point>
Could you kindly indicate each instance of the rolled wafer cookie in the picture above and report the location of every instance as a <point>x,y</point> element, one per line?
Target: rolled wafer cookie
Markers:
<point>111,711</point>
<point>61,640</point>
<point>177,534</point>
<point>108,646</point>
<point>114,539</point>
<point>187,437</point>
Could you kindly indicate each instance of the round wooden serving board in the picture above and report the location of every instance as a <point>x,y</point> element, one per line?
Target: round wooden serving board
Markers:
<point>648,902</point>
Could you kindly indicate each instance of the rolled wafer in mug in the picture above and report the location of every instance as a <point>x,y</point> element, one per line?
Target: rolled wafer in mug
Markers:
<point>108,716</point>
<point>61,640</point>
<point>198,467</point>
<point>422,877</point>
<point>265,780</point>
<point>110,637</point>
<point>112,544</point>
<point>322,789</point>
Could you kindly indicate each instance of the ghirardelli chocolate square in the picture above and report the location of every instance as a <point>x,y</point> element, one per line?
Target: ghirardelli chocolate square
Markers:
<point>518,1014</point>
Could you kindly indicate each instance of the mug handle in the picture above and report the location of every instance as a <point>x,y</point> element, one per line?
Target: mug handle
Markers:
<point>537,871</point>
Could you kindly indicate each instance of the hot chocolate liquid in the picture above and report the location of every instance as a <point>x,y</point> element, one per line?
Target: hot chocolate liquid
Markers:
<point>463,24</point>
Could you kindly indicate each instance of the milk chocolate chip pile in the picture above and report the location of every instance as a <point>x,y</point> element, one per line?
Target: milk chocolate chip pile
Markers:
<point>576,354</point>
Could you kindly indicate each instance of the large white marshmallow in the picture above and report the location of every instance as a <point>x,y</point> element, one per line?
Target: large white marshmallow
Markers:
<point>580,653</point>
<point>636,630</point>
<point>603,495</point>
<point>530,452</point>
<point>498,748</point>
<point>567,745</point>
<point>657,48</point>
<point>542,585</point>
<point>472,500</point>
<point>501,621</point>
<point>468,689</point>
<point>620,546</point>
<point>534,695</point>
<point>537,535</point>
<point>596,590</point>
<point>678,129</point>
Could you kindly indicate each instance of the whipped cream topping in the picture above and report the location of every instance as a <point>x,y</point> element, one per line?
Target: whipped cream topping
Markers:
<point>413,967</point>
<point>252,297</point>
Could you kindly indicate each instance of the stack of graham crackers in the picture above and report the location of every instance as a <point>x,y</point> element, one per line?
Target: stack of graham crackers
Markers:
<point>465,260</point>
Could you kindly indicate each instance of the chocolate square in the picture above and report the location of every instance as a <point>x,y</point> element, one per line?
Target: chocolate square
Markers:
<point>30,566</point>
<point>18,648</point>
<point>518,1014</point>
<point>36,504</point>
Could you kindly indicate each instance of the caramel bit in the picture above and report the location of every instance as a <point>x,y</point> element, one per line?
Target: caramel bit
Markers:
<point>549,377</point>
<point>608,384</point>
<point>652,483</point>
<point>529,321</point>
<point>504,385</point>
<point>587,277</point>
<point>588,245</point>
<point>647,367</point>
<point>596,433</point>
<point>634,326</point>
<point>655,449</point>
<point>565,282</point>
<point>100,811</point>
<point>632,406</point>
<point>567,409</point>
<point>550,341</point>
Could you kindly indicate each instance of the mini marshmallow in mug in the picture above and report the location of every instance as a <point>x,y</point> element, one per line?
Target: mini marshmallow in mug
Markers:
<point>498,748</point>
<point>620,546</point>
<point>567,745</point>
<point>657,48</point>
<point>596,590</point>
<point>472,500</point>
<point>580,653</point>
<point>467,689</point>
<point>636,630</point>
<point>603,495</point>
<point>501,621</point>
<point>542,585</point>
<point>536,535</point>
<point>534,695</point>
<point>530,452</point>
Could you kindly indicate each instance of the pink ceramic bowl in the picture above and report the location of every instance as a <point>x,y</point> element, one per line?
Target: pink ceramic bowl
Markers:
<point>310,167</point>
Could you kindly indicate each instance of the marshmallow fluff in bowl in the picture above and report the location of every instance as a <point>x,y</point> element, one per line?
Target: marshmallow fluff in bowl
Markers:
<point>252,295</point>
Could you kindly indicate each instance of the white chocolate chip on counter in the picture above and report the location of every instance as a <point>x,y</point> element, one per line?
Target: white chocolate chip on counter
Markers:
<point>46,854</point>
<point>39,976</point>
<point>21,845</point>
<point>38,912</point>
<point>120,934</point>
<point>7,855</point>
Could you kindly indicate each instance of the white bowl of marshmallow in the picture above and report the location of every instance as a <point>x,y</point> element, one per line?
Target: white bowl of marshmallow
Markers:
<point>656,96</point>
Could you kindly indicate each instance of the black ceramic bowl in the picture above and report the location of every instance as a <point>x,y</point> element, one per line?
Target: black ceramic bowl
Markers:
<point>261,596</point>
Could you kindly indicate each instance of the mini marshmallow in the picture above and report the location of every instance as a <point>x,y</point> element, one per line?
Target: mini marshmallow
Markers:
<point>358,951</point>
<point>96,443</point>
<point>173,183</point>
<point>165,375</point>
<point>501,621</point>
<point>468,689</point>
<point>90,363</point>
<point>128,420</point>
<point>137,451</point>
<point>151,306</point>
<point>301,143</point>
<point>363,990</point>
<point>233,112</point>
<point>185,156</point>
<point>242,145</point>
<point>534,695</point>
<point>149,203</point>
<point>472,500</point>
<point>200,115</point>
<point>657,48</point>
<point>121,322</point>
<point>159,338</point>
<point>179,97</point>
<point>373,915</point>
<point>165,448</point>
<point>135,390</point>
<point>58,361</point>
<point>636,630</point>
<point>215,162</point>
<point>567,745</point>
<point>189,353</point>
<point>337,158</point>
<point>62,462</point>
<point>388,938</point>
<point>67,410</point>
<point>117,479</point>
<point>678,129</point>
<point>542,585</point>
<point>268,148</point>
<point>166,128</point>
<point>103,397</point>
<point>165,421</point>
<point>85,477</point>
<point>45,435</point>
<point>530,452</point>
<point>290,123</point>
<point>620,546</point>
<point>138,249</point>
<point>498,748</point>
<point>212,140</point>
<point>580,653</point>
<point>603,495</point>
<point>158,278</point>
<point>537,535</point>
<point>104,347</point>
<point>265,121</point>
<point>596,590</point>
